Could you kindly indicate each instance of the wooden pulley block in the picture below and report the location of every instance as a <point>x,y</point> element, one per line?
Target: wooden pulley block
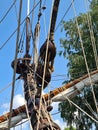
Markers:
<point>39,75</point>
<point>51,51</point>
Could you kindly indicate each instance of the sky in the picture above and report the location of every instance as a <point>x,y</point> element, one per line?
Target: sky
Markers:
<point>7,53</point>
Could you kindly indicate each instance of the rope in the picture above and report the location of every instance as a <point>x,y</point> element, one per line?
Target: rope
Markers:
<point>14,75</point>
<point>36,44</point>
<point>9,85</point>
<point>88,105</point>
<point>16,12</point>
<point>8,11</point>
<point>64,15</point>
<point>85,59</point>
<point>45,25</point>
<point>31,23</point>
<point>17,27</point>
<point>21,123</point>
<point>81,109</point>
<point>78,108</point>
<point>92,35</point>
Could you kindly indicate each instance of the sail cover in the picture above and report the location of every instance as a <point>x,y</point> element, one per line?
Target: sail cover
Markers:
<point>70,90</point>
<point>14,121</point>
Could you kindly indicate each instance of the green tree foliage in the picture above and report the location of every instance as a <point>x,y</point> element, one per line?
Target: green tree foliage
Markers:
<point>72,50</point>
<point>72,128</point>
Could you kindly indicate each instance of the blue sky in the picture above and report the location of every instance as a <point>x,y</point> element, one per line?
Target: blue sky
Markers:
<point>7,53</point>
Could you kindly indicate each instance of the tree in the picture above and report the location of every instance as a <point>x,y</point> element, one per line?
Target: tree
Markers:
<point>73,52</point>
<point>72,128</point>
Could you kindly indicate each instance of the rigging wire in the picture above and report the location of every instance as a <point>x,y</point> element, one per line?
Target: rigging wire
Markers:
<point>7,11</point>
<point>17,27</point>
<point>14,74</point>
<point>85,57</point>
<point>9,85</point>
<point>16,12</point>
<point>22,122</point>
<point>70,101</point>
<point>44,19</point>
<point>57,75</point>
<point>21,40</point>
<point>91,34</point>
<point>64,15</point>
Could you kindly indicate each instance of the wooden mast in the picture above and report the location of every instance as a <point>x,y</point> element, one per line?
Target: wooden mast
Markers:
<point>31,83</point>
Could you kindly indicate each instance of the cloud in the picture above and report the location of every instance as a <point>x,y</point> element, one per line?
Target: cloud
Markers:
<point>61,124</point>
<point>55,106</point>
<point>5,106</point>
<point>24,126</point>
<point>18,101</point>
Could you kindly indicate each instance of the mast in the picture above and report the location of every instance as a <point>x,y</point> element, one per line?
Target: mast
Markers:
<point>32,73</point>
<point>28,7</point>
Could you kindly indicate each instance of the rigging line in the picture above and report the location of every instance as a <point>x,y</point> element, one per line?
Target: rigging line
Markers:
<point>14,73</point>
<point>81,109</point>
<point>3,89</point>
<point>92,34</point>
<point>44,19</point>
<point>27,109</point>
<point>17,27</point>
<point>34,3</point>
<point>86,102</point>
<point>65,97</point>
<point>38,75</point>
<point>16,12</point>
<point>65,75</point>
<point>89,107</point>
<point>45,68</point>
<point>64,15</point>
<point>22,123</point>
<point>32,19</point>
<point>21,40</point>
<point>57,79</point>
<point>31,23</point>
<point>8,11</point>
<point>94,98</point>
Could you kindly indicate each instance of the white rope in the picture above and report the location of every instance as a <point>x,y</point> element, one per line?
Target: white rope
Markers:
<point>65,97</point>
<point>91,34</point>
<point>81,109</point>
<point>85,58</point>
